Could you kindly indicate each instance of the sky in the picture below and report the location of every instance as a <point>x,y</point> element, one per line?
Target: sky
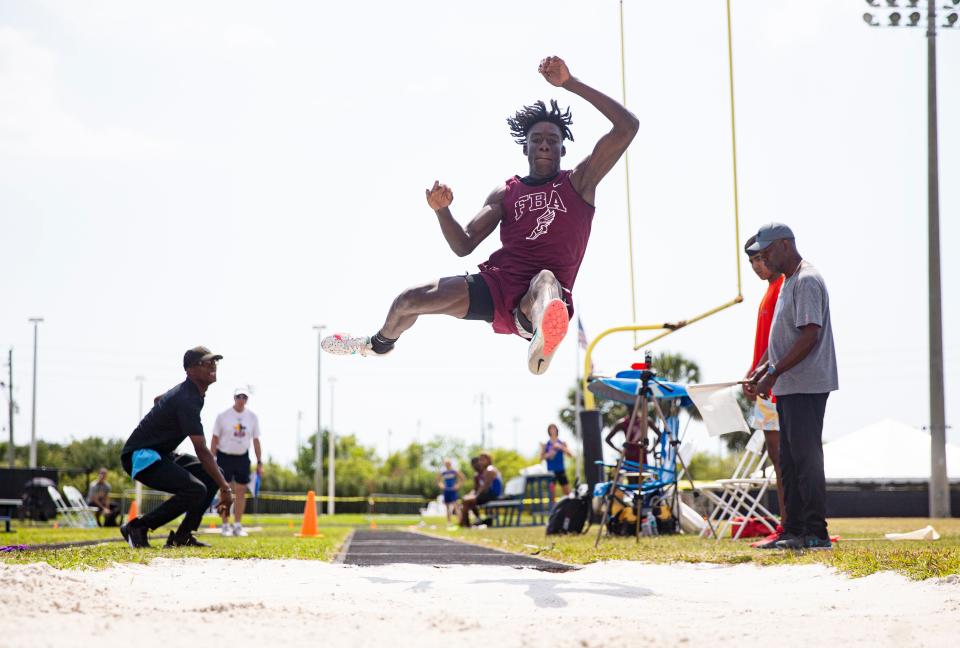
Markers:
<point>233,174</point>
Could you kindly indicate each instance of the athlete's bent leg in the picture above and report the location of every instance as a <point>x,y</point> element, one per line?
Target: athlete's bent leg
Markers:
<point>446,296</point>
<point>544,287</point>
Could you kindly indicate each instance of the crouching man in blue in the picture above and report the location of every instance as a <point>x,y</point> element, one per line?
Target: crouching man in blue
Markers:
<point>148,456</point>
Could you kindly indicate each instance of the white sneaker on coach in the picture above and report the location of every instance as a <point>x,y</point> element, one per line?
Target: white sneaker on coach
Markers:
<point>226,530</point>
<point>239,531</point>
<point>346,344</point>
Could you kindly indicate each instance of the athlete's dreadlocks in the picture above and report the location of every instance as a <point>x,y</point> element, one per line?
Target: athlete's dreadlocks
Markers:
<point>521,123</point>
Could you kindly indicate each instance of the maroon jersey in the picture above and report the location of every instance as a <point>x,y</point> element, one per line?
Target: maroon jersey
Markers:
<point>544,227</point>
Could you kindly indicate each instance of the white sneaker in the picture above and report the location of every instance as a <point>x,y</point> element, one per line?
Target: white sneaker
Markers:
<point>548,333</point>
<point>226,530</point>
<point>346,344</point>
<point>239,531</point>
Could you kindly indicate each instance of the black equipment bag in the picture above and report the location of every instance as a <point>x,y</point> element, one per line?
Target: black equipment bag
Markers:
<point>570,514</point>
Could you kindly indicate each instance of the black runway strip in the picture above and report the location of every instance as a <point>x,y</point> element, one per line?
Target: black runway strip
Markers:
<point>369,548</point>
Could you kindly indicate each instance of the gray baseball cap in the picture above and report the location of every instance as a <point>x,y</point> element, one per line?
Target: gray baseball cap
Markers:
<point>768,234</point>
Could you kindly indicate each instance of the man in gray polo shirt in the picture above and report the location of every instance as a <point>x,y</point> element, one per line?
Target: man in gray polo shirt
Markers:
<point>800,369</point>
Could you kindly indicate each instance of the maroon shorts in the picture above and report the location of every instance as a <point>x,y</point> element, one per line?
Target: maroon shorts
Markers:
<point>495,298</point>
<point>506,293</point>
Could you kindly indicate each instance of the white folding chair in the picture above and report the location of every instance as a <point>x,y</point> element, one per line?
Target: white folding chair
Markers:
<point>83,511</point>
<point>741,495</point>
<point>68,513</point>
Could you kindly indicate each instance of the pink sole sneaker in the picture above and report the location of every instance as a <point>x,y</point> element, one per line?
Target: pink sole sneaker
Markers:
<point>548,336</point>
<point>554,325</point>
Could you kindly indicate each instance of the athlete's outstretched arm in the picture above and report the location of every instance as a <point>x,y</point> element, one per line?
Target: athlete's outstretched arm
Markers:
<point>588,174</point>
<point>464,240</point>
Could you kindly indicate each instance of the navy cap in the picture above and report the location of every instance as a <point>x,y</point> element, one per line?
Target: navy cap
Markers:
<point>196,355</point>
<point>768,234</point>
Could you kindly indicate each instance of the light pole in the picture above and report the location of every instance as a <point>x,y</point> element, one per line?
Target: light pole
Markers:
<point>318,441</point>
<point>939,485</point>
<point>331,454</point>
<point>139,486</point>
<point>10,406</point>
<point>299,421</point>
<point>33,422</point>
<point>484,399</point>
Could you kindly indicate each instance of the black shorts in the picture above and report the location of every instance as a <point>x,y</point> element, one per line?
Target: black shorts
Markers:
<point>481,302</point>
<point>485,497</point>
<point>560,477</point>
<point>235,468</point>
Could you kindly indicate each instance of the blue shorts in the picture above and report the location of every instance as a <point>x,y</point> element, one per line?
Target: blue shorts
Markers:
<point>449,497</point>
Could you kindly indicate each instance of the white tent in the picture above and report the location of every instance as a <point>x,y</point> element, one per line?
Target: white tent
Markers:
<point>887,450</point>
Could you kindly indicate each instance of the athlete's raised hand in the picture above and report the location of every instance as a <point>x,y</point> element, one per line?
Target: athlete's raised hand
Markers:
<point>439,196</point>
<point>554,70</point>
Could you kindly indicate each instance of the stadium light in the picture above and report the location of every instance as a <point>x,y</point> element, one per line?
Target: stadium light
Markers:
<point>895,19</point>
<point>914,19</point>
<point>951,20</point>
<point>870,19</point>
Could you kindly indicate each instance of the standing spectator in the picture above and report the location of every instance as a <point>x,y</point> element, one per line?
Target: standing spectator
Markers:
<point>488,486</point>
<point>232,433</point>
<point>801,371</point>
<point>764,414</point>
<point>99,496</point>
<point>552,452</point>
<point>450,480</point>
<point>148,456</point>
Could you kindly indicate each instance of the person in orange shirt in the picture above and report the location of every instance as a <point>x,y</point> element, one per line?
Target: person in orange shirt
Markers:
<point>764,414</point>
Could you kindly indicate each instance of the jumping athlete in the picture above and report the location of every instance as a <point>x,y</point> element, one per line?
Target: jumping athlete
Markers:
<point>524,288</point>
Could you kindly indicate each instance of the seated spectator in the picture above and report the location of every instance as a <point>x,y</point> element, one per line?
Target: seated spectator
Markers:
<point>487,486</point>
<point>635,447</point>
<point>99,496</point>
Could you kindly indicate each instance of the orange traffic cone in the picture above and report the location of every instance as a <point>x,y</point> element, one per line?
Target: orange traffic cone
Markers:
<point>309,527</point>
<point>373,524</point>
<point>133,512</point>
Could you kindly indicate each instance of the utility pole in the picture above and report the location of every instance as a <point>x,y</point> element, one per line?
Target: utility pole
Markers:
<point>331,455</point>
<point>318,441</point>
<point>10,406</point>
<point>33,419</point>
<point>299,421</point>
<point>939,484</point>
<point>483,398</point>
<point>137,485</point>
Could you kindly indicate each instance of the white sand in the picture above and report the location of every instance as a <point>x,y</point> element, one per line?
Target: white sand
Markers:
<point>173,603</point>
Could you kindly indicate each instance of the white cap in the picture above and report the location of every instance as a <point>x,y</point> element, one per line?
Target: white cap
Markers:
<point>242,390</point>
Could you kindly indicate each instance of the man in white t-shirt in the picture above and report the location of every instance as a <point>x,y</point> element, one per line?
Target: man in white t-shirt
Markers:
<point>232,434</point>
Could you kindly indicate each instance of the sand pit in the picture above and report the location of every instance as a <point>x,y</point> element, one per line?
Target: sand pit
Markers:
<point>174,603</point>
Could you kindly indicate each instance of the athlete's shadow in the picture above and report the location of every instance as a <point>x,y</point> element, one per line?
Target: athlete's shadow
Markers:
<point>418,586</point>
<point>548,593</point>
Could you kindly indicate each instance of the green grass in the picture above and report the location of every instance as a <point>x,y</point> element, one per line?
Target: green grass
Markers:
<point>859,552</point>
<point>275,541</point>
